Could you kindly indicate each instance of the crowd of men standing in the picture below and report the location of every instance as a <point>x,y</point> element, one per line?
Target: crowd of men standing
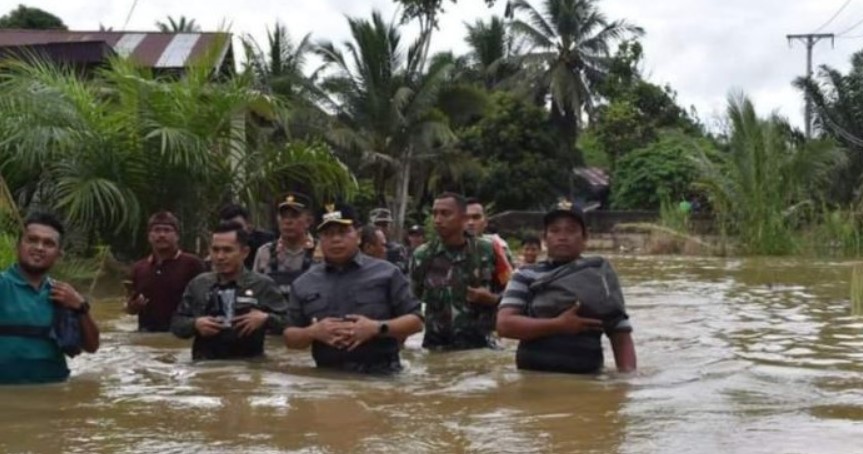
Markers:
<point>350,292</point>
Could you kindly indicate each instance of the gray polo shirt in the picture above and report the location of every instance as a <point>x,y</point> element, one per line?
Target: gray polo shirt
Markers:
<point>365,286</point>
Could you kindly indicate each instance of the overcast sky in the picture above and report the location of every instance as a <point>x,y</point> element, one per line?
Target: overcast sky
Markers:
<point>703,48</point>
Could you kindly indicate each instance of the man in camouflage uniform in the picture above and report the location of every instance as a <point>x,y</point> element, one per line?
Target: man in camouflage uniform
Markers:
<point>455,276</point>
<point>382,218</point>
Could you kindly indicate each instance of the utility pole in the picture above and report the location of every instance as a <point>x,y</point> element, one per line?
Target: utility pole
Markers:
<point>810,39</point>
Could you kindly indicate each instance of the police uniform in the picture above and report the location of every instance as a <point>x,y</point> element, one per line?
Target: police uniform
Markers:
<point>280,264</point>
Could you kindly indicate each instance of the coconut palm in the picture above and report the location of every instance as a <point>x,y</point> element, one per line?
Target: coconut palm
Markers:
<point>570,53</point>
<point>385,105</point>
<point>492,49</point>
<point>769,174</point>
<point>181,25</point>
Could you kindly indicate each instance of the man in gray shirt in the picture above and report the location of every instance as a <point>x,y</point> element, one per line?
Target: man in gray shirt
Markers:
<point>353,310</point>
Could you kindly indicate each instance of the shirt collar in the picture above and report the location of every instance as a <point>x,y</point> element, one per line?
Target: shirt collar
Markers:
<point>17,276</point>
<point>152,257</point>
<point>358,260</point>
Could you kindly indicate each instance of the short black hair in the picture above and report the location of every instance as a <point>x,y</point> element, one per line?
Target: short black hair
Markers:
<point>531,239</point>
<point>233,210</point>
<point>233,226</point>
<point>459,199</point>
<point>473,201</point>
<point>46,219</point>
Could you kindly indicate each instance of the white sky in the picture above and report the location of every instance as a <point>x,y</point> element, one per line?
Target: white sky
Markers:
<point>703,48</point>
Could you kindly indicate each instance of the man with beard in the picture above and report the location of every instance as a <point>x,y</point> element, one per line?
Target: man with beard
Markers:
<point>158,281</point>
<point>37,312</point>
<point>229,310</point>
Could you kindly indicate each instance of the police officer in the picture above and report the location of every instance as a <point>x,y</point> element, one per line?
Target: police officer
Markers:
<point>289,256</point>
<point>353,310</point>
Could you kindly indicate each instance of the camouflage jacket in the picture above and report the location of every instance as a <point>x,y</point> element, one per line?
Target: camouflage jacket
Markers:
<point>440,278</point>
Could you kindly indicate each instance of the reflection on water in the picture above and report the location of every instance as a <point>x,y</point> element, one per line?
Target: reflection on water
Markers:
<point>756,356</point>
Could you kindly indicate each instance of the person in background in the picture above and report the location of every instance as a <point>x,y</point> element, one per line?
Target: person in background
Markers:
<point>32,344</point>
<point>158,281</point>
<point>476,225</point>
<point>228,310</point>
<point>352,309</point>
<point>382,218</point>
<point>257,237</point>
<point>285,259</point>
<point>531,247</point>
<point>416,238</point>
<point>455,275</point>
<point>559,308</point>
<point>373,242</point>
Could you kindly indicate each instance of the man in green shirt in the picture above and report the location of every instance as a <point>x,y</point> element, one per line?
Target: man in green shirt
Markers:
<point>30,305</point>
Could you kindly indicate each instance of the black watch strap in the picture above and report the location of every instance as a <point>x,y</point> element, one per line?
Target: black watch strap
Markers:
<point>84,308</point>
<point>383,329</point>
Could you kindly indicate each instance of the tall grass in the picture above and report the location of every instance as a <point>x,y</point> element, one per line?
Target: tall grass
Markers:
<point>766,180</point>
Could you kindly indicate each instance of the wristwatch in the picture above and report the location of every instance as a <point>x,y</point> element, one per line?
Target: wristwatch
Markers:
<point>84,308</point>
<point>383,329</point>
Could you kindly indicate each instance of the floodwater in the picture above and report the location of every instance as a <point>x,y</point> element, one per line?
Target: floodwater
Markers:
<point>735,356</point>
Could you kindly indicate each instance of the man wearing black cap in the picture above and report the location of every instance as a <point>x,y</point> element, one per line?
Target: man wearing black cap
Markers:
<point>289,256</point>
<point>382,218</point>
<point>559,308</point>
<point>158,281</point>
<point>353,310</point>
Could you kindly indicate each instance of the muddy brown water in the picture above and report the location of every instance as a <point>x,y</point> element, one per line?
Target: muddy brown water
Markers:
<point>735,356</point>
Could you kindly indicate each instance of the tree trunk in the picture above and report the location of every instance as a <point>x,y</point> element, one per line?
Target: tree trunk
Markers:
<point>403,180</point>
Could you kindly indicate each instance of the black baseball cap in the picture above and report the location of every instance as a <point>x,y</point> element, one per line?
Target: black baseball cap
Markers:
<point>337,213</point>
<point>565,208</point>
<point>294,201</point>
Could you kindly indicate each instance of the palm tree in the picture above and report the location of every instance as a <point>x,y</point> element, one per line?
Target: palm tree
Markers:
<point>837,99</point>
<point>761,185</point>
<point>385,105</point>
<point>106,152</point>
<point>280,70</point>
<point>492,48</point>
<point>571,41</point>
<point>181,25</point>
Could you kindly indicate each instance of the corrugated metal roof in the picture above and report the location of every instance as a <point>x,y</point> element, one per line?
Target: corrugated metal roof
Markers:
<point>151,49</point>
<point>593,175</point>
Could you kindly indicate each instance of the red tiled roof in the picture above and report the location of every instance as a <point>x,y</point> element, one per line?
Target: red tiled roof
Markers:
<point>150,49</point>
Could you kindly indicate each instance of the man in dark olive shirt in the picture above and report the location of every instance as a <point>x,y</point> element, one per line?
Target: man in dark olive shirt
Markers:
<point>229,310</point>
<point>158,281</point>
<point>354,310</point>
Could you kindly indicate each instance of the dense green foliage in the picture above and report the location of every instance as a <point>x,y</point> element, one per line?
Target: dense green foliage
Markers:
<point>31,18</point>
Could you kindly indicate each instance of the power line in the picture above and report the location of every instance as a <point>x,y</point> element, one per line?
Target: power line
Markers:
<point>832,18</point>
<point>856,24</point>
<point>129,16</point>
